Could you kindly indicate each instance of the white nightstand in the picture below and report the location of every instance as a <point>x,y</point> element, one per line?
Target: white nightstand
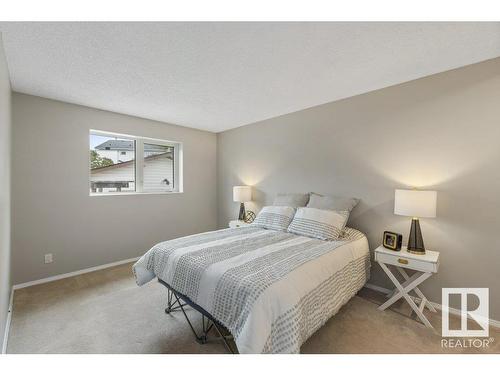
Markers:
<point>423,265</point>
<point>237,224</point>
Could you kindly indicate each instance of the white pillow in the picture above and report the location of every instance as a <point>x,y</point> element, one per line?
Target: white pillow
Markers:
<point>274,217</point>
<point>317,223</point>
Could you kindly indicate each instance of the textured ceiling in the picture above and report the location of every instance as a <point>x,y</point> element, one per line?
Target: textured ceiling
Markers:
<point>217,76</point>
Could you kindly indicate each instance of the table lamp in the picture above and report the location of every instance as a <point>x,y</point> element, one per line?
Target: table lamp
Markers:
<point>415,203</point>
<point>242,194</point>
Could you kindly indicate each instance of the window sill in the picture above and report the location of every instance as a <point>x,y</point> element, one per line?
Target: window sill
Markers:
<point>134,193</point>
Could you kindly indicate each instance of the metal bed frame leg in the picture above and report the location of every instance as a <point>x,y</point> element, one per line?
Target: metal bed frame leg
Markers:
<point>200,339</point>
<point>171,304</point>
<point>206,323</point>
<point>224,338</point>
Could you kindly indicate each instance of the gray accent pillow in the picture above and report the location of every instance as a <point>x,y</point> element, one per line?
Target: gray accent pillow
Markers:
<point>275,218</point>
<point>323,224</point>
<point>330,202</point>
<point>291,199</point>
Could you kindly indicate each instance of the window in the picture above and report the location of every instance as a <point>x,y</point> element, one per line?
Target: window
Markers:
<point>159,163</point>
<point>124,164</point>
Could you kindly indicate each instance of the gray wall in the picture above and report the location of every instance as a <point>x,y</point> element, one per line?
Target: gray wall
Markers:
<point>5,130</point>
<point>441,132</point>
<point>52,210</point>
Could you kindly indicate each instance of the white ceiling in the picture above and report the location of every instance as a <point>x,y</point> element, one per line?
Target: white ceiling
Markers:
<point>218,76</point>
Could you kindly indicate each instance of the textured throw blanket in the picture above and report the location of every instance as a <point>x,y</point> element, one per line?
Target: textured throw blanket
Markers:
<point>271,289</point>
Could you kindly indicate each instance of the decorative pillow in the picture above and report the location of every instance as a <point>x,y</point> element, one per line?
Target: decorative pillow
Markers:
<point>330,202</point>
<point>273,217</point>
<point>291,200</point>
<point>316,223</point>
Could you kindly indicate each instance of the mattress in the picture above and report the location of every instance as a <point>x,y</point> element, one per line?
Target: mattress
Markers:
<point>271,289</point>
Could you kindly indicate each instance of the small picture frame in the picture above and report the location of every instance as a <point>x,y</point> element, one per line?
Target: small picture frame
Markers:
<point>392,241</point>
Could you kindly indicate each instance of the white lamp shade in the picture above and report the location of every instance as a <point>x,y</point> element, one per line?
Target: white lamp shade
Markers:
<point>415,203</point>
<point>242,193</point>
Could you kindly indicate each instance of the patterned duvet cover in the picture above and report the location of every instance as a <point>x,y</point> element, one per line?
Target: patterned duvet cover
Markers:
<point>271,289</point>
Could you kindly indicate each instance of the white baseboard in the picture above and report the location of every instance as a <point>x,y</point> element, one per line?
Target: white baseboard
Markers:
<point>7,322</point>
<point>437,306</point>
<point>377,288</point>
<point>74,273</point>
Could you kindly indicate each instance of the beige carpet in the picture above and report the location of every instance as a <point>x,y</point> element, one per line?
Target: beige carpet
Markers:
<point>105,312</point>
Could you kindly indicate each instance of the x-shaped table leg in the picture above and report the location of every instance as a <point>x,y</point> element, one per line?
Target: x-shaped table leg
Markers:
<point>403,290</point>
<point>417,291</point>
<point>423,299</point>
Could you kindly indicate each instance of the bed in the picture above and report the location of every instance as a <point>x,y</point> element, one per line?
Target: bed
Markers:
<point>270,289</point>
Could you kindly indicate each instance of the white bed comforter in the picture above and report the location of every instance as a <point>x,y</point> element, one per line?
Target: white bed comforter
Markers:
<point>271,289</point>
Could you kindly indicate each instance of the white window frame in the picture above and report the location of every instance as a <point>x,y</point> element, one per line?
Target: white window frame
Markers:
<point>139,163</point>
